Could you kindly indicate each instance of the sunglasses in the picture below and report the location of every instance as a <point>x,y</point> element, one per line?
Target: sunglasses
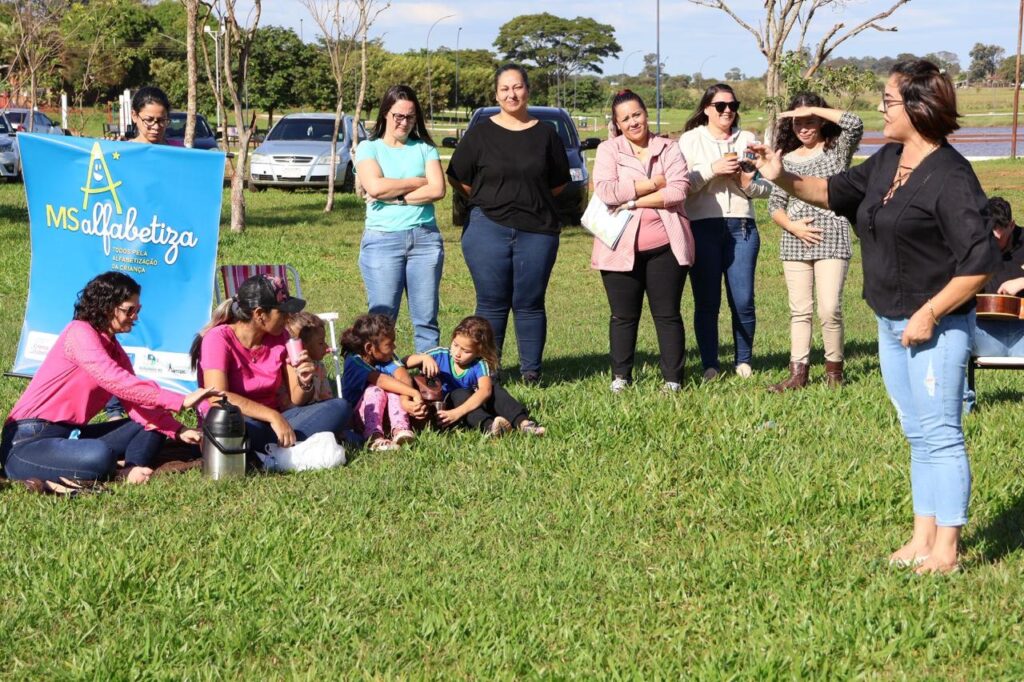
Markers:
<point>732,106</point>
<point>130,310</point>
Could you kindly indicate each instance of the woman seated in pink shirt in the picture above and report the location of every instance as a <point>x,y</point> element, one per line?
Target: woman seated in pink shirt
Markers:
<point>242,353</point>
<point>47,438</point>
<point>646,175</point>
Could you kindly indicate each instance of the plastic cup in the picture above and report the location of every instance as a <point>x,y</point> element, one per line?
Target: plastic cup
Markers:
<point>295,348</point>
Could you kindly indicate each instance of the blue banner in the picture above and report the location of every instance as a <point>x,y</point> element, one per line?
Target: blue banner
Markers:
<point>150,211</point>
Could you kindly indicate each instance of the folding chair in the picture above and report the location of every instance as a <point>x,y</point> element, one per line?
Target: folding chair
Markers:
<point>233,275</point>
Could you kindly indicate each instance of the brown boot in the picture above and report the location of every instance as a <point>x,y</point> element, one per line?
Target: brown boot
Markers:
<point>797,378</point>
<point>834,374</point>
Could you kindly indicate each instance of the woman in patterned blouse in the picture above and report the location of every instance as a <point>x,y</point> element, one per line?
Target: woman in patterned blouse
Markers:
<point>815,249</point>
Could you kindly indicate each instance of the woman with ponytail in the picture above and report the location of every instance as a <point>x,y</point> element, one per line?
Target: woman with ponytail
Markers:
<point>242,352</point>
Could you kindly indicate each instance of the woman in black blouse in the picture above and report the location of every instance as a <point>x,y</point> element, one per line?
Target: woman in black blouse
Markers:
<point>926,248</point>
<point>511,167</point>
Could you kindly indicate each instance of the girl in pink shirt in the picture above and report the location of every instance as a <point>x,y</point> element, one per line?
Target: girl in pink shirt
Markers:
<point>47,436</point>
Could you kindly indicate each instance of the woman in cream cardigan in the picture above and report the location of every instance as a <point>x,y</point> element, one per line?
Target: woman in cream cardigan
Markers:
<point>722,219</point>
<point>647,175</point>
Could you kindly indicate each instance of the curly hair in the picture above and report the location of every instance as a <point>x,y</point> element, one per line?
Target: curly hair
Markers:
<point>370,328</point>
<point>480,332</point>
<point>97,301</point>
<point>785,137</point>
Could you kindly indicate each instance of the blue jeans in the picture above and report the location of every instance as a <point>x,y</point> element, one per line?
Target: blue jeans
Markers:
<point>36,448</point>
<point>329,415</point>
<point>510,270</point>
<point>407,261</point>
<point>926,384</point>
<point>994,338</point>
<point>726,246</point>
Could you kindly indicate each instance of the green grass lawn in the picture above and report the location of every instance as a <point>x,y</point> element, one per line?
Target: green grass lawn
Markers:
<point>719,533</point>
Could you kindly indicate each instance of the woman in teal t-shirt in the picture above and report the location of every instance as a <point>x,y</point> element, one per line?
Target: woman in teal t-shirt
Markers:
<point>402,249</point>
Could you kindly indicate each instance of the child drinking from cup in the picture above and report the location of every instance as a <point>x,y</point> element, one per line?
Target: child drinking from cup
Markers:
<point>308,332</point>
<point>465,373</point>
<point>377,385</point>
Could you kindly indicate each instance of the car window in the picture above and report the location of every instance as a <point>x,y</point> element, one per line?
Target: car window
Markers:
<point>42,120</point>
<point>310,129</point>
<point>4,128</point>
<point>15,117</point>
<point>562,128</point>
<point>176,129</point>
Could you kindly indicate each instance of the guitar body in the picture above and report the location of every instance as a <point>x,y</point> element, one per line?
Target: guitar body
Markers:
<point>999,307</point>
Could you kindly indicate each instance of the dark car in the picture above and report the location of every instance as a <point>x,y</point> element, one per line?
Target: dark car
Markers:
<point>204,139</point>
<point>573,200</point>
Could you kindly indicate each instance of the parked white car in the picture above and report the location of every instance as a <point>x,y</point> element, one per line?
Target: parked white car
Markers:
<point>41,122</point>
<point>10,159</point>
<point>297,151</point>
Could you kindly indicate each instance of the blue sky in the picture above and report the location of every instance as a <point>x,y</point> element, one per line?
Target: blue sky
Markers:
<point>692,37</point>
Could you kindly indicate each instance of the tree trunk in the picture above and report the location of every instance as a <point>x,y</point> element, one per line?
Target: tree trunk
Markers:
<point>361,98</point>
<point>31,122</point>
<point>192,14</point>
<point>270,118</point>
<point>773,89</point>
<point>238,178</point>
<point>329,206</point>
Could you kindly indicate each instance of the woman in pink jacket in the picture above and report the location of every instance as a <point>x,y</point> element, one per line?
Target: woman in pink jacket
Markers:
<point>47,437</point>
<point>646,175</point>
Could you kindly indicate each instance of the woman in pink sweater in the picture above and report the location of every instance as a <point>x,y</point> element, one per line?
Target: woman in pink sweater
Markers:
<point>47,435</point>
<point>646,175</point>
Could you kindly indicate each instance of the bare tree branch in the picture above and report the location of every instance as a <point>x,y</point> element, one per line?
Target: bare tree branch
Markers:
<point>825,48</point>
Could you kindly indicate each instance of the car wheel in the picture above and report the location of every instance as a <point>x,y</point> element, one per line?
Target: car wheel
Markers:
<point>349,184</point>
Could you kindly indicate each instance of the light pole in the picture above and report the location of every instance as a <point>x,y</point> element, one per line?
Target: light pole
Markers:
<point>700,71</point>
<point>216,58</point>
<point>657,81</point>
<point>430,80</point>
<point>1016,83</point>
<point>458,34</point>
<point>625,59</point>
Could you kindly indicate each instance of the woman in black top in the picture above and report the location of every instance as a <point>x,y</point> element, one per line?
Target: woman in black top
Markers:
<point>927,250</point>
<point>511,167</point>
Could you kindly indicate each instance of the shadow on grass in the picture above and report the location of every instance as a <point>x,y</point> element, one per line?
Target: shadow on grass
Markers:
<point>990,399</point>
<point>14,214</point>
<point>1004,534</point>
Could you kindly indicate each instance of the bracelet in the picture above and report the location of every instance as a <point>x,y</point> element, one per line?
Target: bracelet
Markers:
<point>931,309</point>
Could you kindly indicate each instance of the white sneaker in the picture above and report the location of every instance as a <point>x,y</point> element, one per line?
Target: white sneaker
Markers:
<point>744,371</point>
<point>403,436</point>
<point>710,374</point>
<point>619,384</point>
<point>671,387</point>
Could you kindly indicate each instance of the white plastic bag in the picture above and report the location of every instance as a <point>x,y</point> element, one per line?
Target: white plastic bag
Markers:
<point>319,451</point>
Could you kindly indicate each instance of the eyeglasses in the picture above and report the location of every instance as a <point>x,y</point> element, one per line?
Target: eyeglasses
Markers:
<point>732,106</point>
<point>130,310</point>
<point>886,103</point>
<point>154,122</point>
<point>403,118</point>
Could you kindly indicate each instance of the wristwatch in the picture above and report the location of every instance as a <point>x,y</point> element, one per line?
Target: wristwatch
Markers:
<point>631,204</point>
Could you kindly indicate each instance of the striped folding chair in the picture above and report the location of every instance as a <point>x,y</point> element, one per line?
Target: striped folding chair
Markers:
<point>233,275</point>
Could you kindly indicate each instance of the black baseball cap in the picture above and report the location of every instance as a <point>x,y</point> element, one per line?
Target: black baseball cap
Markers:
<point>264,291</point>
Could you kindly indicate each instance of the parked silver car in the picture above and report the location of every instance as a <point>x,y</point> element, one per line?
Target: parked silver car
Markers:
<point>41,122</point>
<point>10,160</point>
<point>297,150</point>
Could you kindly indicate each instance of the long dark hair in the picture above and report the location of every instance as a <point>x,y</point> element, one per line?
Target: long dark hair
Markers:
<point>101,296</point>
<point>699,118</point>
<point>621,97</point>
<point>785,137</point>
<point>394,94</point>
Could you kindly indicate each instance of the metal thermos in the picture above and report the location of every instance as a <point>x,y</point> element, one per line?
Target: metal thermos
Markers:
<point>224,441</point>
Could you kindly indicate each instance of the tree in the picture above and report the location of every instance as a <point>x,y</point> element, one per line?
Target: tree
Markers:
<point>192,20</point>
<point>235,65</point>
<point>948,61</point>
<point>984,61</point>
<point>734,74</point>
<point>1007,70</point>
<point>559,47</point>
<point>38,43</point>
<point>275,68</point>
<point>776,23</point>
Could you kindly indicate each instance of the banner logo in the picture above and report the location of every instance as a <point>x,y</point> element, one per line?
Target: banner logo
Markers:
<point>98,172</point>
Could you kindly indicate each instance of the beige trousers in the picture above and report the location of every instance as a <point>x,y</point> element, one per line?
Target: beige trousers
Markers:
<point>804,279</point>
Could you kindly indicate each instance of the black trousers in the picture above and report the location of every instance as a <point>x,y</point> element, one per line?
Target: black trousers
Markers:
<point>659,274</point>
<point>500,404</point>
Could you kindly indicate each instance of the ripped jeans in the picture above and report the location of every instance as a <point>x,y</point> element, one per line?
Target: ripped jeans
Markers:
<point>926,385</point>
